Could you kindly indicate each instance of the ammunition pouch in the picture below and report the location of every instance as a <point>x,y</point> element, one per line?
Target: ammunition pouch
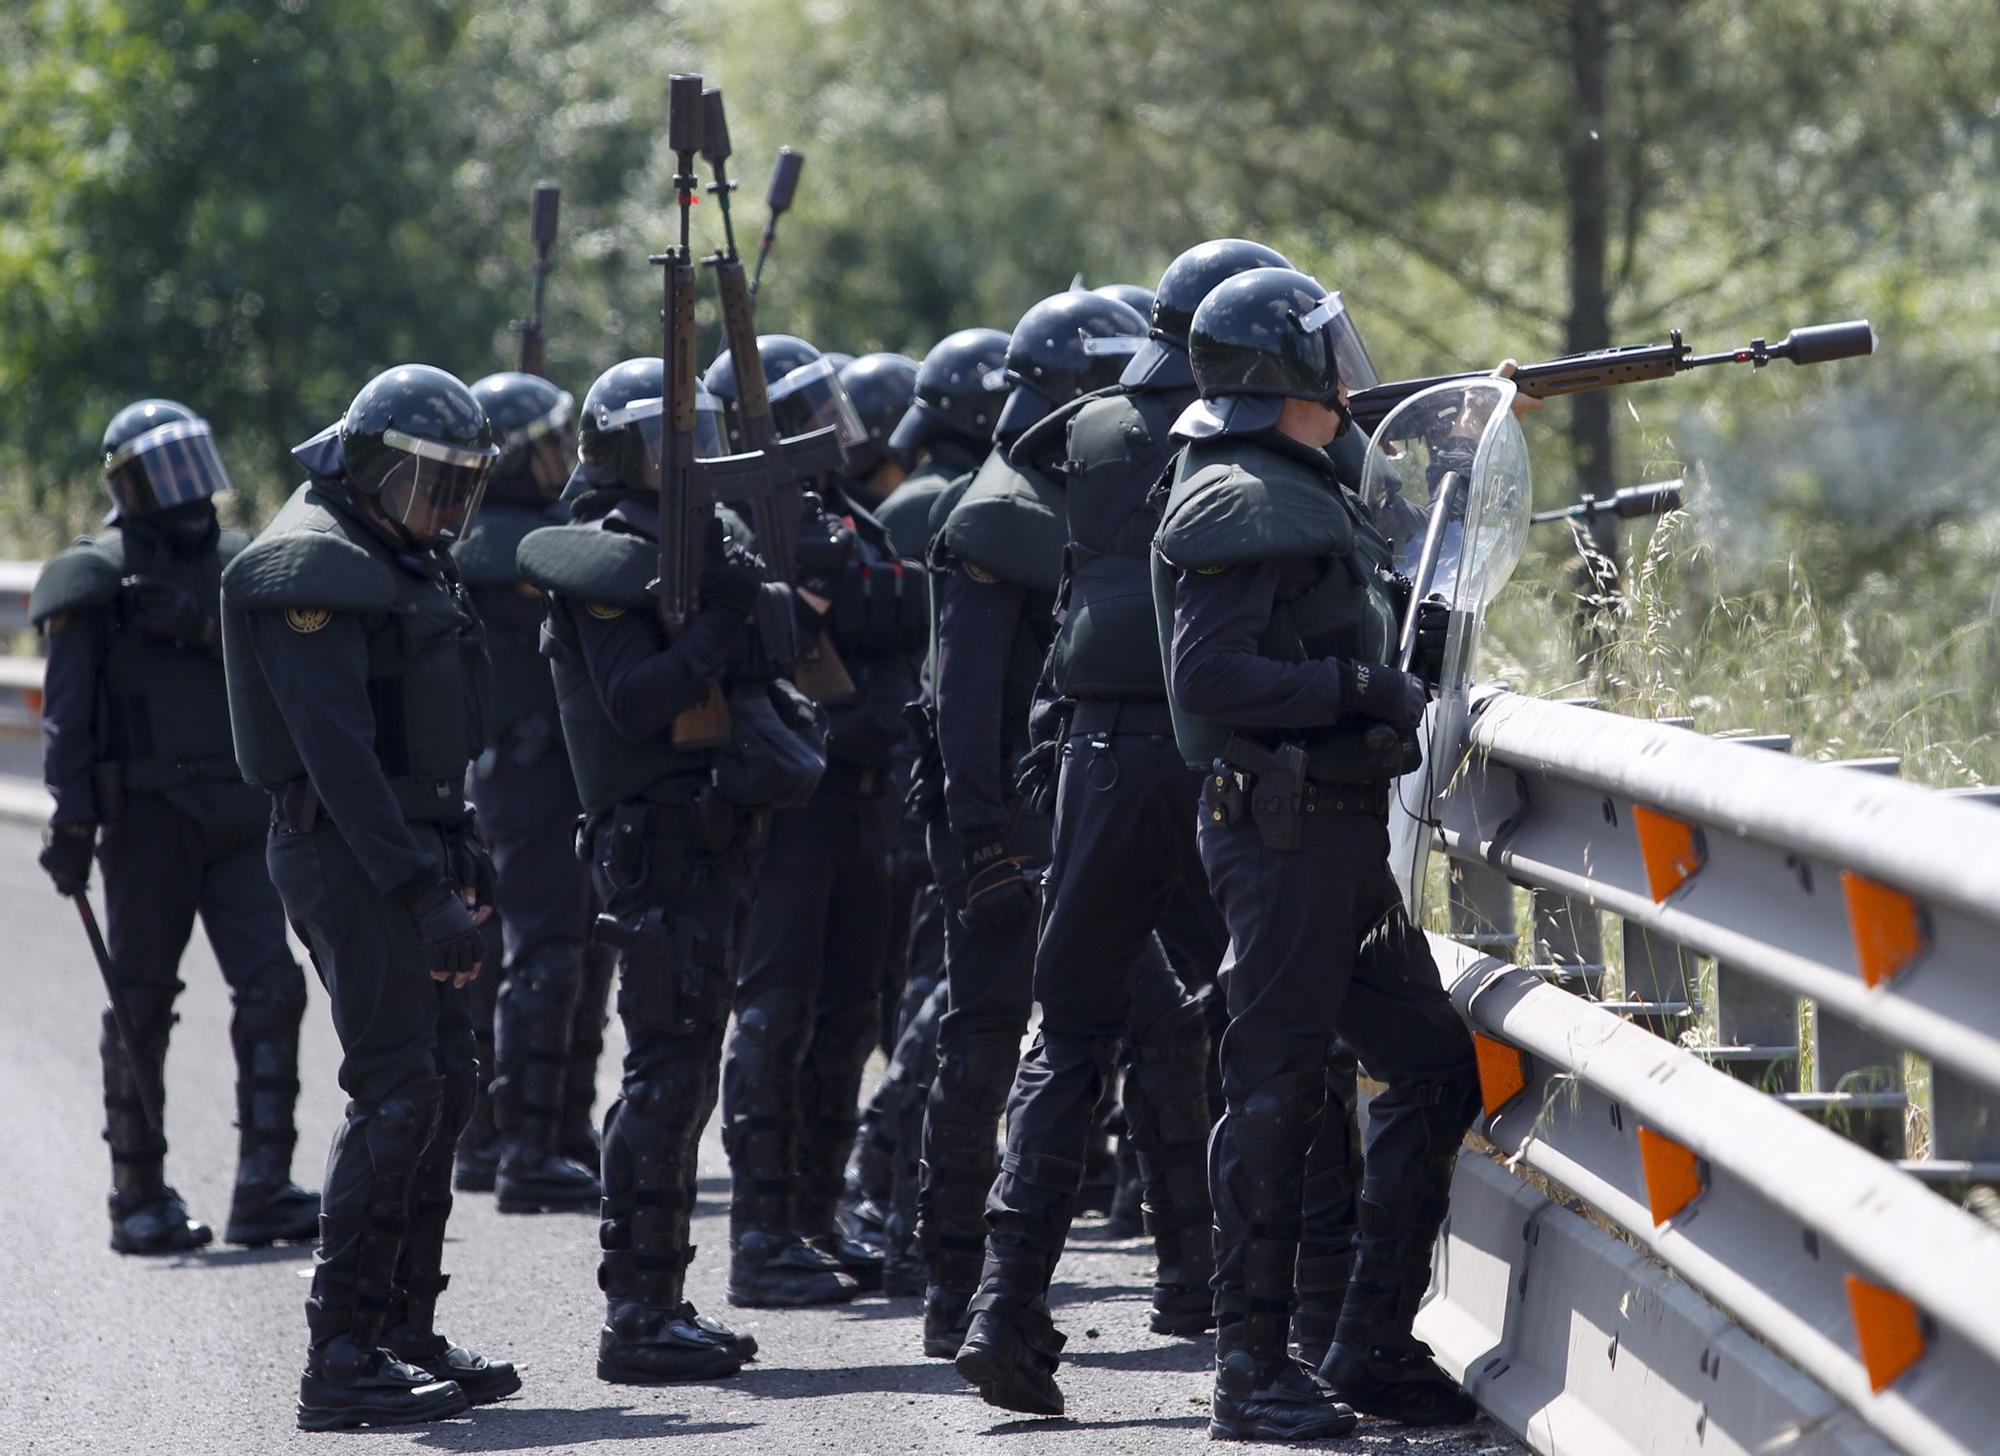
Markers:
<point>1278,791</point>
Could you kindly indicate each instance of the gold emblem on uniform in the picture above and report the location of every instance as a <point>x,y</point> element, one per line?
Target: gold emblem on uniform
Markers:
<point>307,619</point>
<point>604,611</point>
<point>981,575</point>
<point>1210,570</point>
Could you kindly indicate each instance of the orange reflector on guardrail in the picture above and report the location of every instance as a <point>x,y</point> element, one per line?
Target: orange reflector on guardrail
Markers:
<point>1503,1072</point>
<point>1888,927</point>
<point>32,698</point>
<point>1669,847</point>
<point>1673,1174</point>
<point>1887,1328</point>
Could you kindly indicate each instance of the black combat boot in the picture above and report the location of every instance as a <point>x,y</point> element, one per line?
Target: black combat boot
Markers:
<point>830,1085</point>
<point>267,1207</point>
<point>947,1314</point>
<point>869,1176</point>
<point>411,1332</point>
<point>651,1334</point>
<point>1397,1382</point>
<point>782,1271</point>
<point>147,1217</point>
<point>349,1379</point>
<point>532,1028</point>
<point>1011,1347</point>
<point>1268,1396</point>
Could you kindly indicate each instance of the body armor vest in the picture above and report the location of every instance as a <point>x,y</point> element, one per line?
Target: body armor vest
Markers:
<point>1107,645</point>
<point>906,514</point>
<point>426,659</point>
<point>512,609</point>
<point>1234,502</point>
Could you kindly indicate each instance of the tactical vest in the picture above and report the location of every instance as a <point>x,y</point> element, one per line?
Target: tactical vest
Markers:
<point>162,710</point>
<point>1235,503</point>
<point>513,610</point>
<point>606,573</point>
<point>1107,643</point>
<point>426,664</point>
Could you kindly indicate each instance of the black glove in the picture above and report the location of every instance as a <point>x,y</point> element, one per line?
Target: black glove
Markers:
<point>997,893</point>
<point>471,866</point>
<point>826,545</point>
<point>1377,690</point>
<point>444,925</point>
<point>730,576</point>
<point>159,608</point>
<point>1433,630</point>
<point>66,850</point>
<point>1036,773</point>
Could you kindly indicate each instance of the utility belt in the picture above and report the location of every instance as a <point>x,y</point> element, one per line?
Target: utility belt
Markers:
<point>1121,715</point>
<point>297,805</point>
<point>1275,790</point>
<point>112,781</point>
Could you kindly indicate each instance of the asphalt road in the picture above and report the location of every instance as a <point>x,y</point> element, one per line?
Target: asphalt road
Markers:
<point>201,1354</point>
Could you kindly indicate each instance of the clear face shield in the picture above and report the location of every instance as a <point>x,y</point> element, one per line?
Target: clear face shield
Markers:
<point>434,489</point>
<point>811,398</point>
<point>170,465</point>
<point>547,449</point>
<point>1331,320</point>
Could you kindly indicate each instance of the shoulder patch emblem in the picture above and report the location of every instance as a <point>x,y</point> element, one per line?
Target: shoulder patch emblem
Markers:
<point>603,611</point>
<point>1210,570</point>
<point>307,619</point>
<point>981,575</point>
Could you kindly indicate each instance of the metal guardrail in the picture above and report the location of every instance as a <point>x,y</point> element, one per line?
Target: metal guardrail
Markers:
<point>20,677</point>
<point>1786,926</point>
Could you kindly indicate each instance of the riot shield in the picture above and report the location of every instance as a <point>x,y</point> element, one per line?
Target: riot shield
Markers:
<point>1447,482</point>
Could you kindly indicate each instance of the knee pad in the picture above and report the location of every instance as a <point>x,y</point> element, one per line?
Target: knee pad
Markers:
<point>400,1127</point>
<point>977,1071</point>
<point>1281,1112</point>
<point>544,980</point>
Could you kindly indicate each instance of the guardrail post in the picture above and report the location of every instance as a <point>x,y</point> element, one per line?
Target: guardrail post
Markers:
<point>1660,980</point>
<point>1756,1024</point>
<point>1568,942</point>
<point>1857,1085</point>
<point>1481,908</point>
<point>1965,1126</point>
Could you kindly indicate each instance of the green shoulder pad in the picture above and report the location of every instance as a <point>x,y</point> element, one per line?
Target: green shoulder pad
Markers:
<point>585,564</point>
<point>1224,515</point>
<point>304,559</point>
<point>84,576</point>
<point>1047,439</point>
<point>1010,522</point>
<point>906,514</point>
<point>489,555</point>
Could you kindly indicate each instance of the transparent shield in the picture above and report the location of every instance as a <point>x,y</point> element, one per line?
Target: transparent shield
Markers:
<point>1447,480</point>
<point>812,397</point>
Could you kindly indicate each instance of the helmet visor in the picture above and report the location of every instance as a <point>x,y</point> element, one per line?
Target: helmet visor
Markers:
<point>433,489</point>
<point>544,449</point>
<point>811,398</point>
<point>1331,319</point>
<point>168,466</point>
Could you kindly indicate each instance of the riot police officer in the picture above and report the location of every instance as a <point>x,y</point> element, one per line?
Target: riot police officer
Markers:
<point>948,429</point>
<point>1124,868</point>
<point>880,386</point>
<point>673,831</point>
<point>521,786</point>
<point>997,559</point>
<point>1278,618</point>
<point>137,756</point>
<point>356,683</point>
<point>806,994</point>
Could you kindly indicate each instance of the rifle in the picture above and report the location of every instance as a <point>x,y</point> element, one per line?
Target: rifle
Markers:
<point>1631,364</point>
<point>771,486</point>
<point>1628,504</point>
<point>542,208</point>
<point>777,197</point>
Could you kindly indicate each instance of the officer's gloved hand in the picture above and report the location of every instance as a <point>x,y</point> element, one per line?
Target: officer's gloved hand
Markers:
<point>66,850</point>
<point>472,868</point>
<point>826,545</point>
<point>1433,630</point>
<point>997,891</point>
<point>1379,691</point>
<point>447,928</point>
<point>159,608</point>
<point>729,578</point>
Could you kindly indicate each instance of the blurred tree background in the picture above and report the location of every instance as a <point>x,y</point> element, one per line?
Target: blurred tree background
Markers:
<point>253,207</point>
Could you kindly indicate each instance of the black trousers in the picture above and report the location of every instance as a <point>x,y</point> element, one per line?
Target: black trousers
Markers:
<point>1123,853</point>
<point>990,976</point>
<point>807,1001</point>
<point>1321,952</point>
<point>163,867</point>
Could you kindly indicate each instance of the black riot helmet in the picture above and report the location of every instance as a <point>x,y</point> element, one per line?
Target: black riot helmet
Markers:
<point>621,429</point>
<point>881,387</point>
<point>1162,360</point>
<point>1132,295</point>
<point>841,359</point>
<point>534,426</point>
<point>960,387</point>
<point>779,354</point>
<point>417,441</point>
<point>159,455</point>
<point>1263,337</point>
<point>1067,345</point>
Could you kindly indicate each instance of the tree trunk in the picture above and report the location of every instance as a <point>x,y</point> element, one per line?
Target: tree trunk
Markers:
<point>1589,323</point>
